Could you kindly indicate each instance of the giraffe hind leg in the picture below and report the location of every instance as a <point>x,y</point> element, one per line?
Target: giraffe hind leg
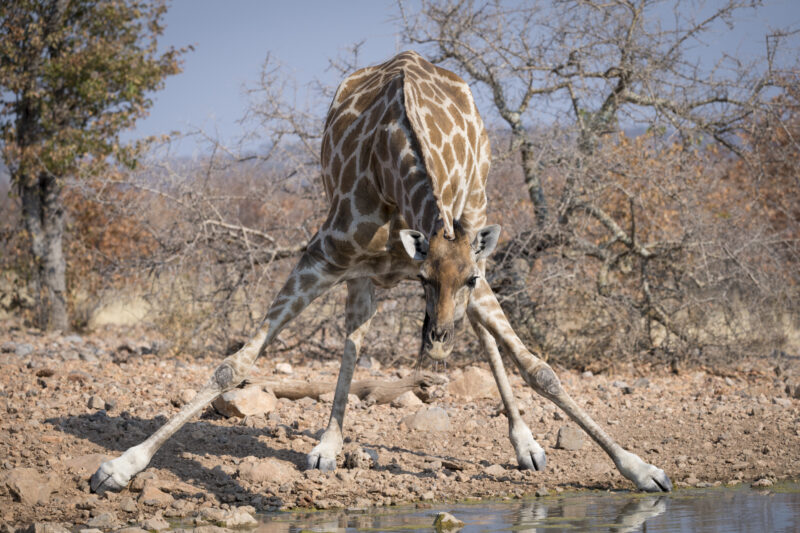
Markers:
<point>360,309</point>
<point>310,278</point>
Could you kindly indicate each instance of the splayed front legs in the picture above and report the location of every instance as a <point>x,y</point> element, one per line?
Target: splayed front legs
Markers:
<point>360,309</point>
<point>485,310</point>
<point>310,278</point>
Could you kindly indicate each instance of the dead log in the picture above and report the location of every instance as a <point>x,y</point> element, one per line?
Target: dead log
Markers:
<point>370,390</point>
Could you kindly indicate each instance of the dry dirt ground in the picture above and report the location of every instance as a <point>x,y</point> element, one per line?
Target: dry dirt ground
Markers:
<point>68,401</point>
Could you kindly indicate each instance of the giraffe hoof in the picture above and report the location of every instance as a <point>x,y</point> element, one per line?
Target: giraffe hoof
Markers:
<point>534,461</point>
<point>657,482</point>
<point>323,464</point>
<point>104,481</point>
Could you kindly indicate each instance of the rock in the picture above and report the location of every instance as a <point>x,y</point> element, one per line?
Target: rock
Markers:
<point>357,457</point>
<point>782,402</point>
<point>86,464</point>
<point>131,530</point>
<point>446,522</point>
<point>44,527</point>
<point>154,496</point>
<point>183,397</point>
<point>407,399</point>
<point>427,496</point>
<point>284,368</point>
<point>156,523</point>
<point>432,419</point>
<point>239,518</point>
<point>569,438</point>
<point>28,486</point>
<point>474,383</point>
<point>8,347</point>
<point>761,483</point>
<point>541,492</point>
<point>105,520</point>
<point>249,401</point>
<point>96,402</point>
<point>73,339</point>
<point>260,471</point>
<point>587,374</point>
<point>90,530</point>
<point>327,397</point>
<point>494,471</point>
<point>128,505</point>
<point>235,517</point>
<point>23,350</point>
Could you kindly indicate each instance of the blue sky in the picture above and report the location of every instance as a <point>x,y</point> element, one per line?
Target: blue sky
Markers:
<point>233,37</point>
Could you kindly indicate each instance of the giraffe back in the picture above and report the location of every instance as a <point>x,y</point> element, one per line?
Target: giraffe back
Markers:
<point>403,146</point>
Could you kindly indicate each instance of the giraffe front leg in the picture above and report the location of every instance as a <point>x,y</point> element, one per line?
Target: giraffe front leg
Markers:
<point>311,277</point>
<point>530,456</point>
<point>360,309</point>
<point>485,309</point>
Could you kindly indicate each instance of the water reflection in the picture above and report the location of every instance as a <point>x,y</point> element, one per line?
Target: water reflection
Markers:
<point>740,509</point>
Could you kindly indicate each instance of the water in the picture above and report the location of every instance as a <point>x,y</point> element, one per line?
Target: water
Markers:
<point>715,510</point>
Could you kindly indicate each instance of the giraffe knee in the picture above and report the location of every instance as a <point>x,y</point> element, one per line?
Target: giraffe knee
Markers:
<point>545,381</point>
<point>225,377</point>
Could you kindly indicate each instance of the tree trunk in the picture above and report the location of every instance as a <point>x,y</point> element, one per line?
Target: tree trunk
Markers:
<point>530,170</point>
<point>43,216</point>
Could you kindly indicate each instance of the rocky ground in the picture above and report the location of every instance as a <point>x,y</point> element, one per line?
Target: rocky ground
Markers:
<point>68,402</point>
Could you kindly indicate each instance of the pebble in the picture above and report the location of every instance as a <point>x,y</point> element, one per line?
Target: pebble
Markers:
<point>23,350</point>
<point>96,402</point>
<point>128,505</point>
<point>407,399</point>
<point>569,438</point>
<point>494,470</point>
<point>105,520</point>
<point>541,492</point>
<point>446,521</point>
<point>156,523</point>
<point>432,419</point>
<point>284,368</point>
<point>761,483</point>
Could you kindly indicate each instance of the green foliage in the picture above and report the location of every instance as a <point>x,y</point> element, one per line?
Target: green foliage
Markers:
<point>73,75</point>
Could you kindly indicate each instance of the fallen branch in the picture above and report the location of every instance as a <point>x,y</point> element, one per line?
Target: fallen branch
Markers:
<point>371,390</point>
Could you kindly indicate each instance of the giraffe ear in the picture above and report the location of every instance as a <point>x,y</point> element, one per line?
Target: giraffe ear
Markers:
<point>415,243</point>
<point>485,241</point>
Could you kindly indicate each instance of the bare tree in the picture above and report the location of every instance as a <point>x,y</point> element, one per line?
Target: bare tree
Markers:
<point>566,77</point>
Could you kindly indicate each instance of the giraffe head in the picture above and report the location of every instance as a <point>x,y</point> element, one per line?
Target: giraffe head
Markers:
<point>448,271</point>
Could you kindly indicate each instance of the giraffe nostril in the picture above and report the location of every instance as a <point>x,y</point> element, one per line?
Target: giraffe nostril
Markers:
<point>445,335</point>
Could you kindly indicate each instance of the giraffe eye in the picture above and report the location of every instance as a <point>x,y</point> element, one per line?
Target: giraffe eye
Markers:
<point>471,282</point>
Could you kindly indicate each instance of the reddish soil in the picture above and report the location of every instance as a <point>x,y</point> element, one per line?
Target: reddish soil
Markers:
<point>71,397</point>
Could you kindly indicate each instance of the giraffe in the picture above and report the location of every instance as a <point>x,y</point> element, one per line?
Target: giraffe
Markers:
<point>405,158</point>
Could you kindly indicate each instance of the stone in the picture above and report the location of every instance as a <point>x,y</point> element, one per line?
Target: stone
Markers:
<point>128,505</point>
<point>152,495</point>
<point>541,492</point>
<point>327,397</point>
<point>782,402</point>
<point>431,419</point>
<point>473,384</point>
<point>28,486</point>
<point>131,530</point>
<point>569,438</point>
<point>96,402</point>
<point>446,522</point>
<point>239,518</point>
<point>284,368</point>
<point>357,457</point>
<point>156,523</point>
<point>249,401</point>
<point>494,471</point>
<point>105,520</point>
<point>407,399</point>
<point>761,483</point>
<point>86,464</point>
<point>8,347</point>
<point>23,350</point>
<point>44,527</point>
<point>90,530</point>
<point>263,470</point>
